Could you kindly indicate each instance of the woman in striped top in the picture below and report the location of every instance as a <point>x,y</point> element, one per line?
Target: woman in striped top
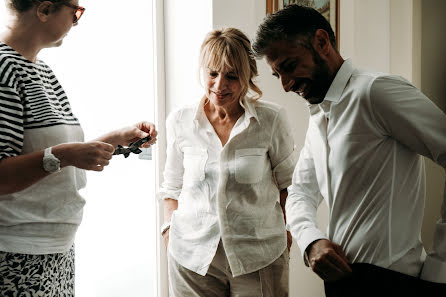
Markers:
<point>42,154</point>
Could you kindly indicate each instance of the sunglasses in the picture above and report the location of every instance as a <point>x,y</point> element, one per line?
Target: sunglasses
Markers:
<point>78,13</point>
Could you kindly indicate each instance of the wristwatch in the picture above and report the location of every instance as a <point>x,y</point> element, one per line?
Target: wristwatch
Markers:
<point>50,162</point>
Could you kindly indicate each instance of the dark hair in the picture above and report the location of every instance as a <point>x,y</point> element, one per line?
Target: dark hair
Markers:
<point>24,5</point>
<point>293,23</point>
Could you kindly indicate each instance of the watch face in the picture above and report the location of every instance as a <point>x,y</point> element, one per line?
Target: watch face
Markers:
<point>51,164</point>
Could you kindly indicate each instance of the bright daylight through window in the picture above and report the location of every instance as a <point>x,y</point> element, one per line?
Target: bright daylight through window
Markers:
<point>105,65</point>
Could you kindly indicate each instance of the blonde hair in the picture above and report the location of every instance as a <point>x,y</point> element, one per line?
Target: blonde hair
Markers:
<point>230,48</point>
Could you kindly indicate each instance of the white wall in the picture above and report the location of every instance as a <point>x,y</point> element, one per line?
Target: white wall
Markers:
<point>432,74</point>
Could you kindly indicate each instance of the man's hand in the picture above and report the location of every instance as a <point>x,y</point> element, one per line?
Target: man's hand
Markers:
<point>328,260</point>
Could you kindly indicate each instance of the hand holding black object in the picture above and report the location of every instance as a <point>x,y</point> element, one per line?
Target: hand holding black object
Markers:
<point>132,148</point>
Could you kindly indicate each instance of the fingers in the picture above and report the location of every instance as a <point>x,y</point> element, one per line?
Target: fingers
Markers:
<point>94,155</point>
<point>330,266</point>
<point>137,132</point>
<point>149,128</point>
<point>327,271</point>
<point>328,260</point>
<point>342,255</point>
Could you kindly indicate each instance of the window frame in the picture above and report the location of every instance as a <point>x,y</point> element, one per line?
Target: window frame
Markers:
<point>161,286</point>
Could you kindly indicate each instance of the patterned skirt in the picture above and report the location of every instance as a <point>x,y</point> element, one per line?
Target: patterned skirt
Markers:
<point>23,275</point>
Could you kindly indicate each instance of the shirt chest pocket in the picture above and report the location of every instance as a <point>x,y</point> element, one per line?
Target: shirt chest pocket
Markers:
<point>194,162</point>
<point>249,165</point>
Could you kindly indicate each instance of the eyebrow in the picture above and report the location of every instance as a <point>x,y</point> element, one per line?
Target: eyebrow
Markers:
<point>282,64</point>
<point>280,67</point>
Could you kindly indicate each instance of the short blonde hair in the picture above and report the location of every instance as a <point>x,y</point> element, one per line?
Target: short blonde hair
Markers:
<point>230,48</point>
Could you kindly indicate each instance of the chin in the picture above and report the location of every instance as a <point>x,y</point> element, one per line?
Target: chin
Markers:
<point>56,43</point>
<point>314,100</point>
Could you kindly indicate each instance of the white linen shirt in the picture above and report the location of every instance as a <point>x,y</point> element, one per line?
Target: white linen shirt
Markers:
<point>229,192</point>
<point>365,163</point>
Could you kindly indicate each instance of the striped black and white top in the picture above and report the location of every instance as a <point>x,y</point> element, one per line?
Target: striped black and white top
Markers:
<point>35,114</point>
<point>30,97</point>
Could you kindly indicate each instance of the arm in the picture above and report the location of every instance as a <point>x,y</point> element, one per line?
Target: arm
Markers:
<point>283,159</point>
<point>170,205</point>
<point>416,122</point>
<point>19,172</point>
<point>126,135</point>
<point>173,174</point>
<point>283,196</point>
<point>324,257</point>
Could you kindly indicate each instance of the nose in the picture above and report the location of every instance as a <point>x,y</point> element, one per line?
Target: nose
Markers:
<point>287,83</point>
<point>220,82</point>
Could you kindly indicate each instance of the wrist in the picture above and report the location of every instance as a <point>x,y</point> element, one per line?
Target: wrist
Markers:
<point>165,228</point>
<point>60,151</point>
<point>50,162</point>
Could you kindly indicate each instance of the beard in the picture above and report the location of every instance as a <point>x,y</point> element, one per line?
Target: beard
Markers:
<point>318,84</point>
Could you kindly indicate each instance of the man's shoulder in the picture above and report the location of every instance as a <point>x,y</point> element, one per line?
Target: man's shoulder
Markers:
<point>372,76</point>
<point>364,82</point>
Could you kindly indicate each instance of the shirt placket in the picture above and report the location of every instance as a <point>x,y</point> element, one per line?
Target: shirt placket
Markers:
<point>227,156</point>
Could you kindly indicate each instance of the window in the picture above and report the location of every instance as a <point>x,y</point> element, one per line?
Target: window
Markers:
<point>106,68</point>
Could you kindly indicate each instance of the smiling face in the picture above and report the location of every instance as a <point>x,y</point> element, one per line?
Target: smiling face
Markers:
<point>300,69</point>
<point>222,87</point>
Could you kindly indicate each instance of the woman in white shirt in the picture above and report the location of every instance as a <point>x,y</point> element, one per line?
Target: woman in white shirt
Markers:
<point>42,154</point>
<point>229,161</point>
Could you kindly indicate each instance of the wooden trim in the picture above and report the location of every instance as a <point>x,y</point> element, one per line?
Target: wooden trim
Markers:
<point>338,22</point>
<point>269,6</point>
<point>272,6</point>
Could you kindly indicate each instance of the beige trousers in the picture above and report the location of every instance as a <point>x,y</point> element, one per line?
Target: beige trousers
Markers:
<point>271,281</point>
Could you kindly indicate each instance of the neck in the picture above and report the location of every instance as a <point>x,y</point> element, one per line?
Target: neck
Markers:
<point>23,38</point>
<point>335,65</point>
<point>229,113</point>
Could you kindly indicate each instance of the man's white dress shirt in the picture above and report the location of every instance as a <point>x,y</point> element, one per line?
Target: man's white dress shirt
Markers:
<point>228,192</point>
<point>362,156</point>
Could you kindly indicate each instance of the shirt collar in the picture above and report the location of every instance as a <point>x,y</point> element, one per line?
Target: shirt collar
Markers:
<point>250,111</point>
<point>337,87</point>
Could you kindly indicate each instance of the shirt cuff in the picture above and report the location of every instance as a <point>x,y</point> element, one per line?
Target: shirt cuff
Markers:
<point>308,237</point>
<point>434,270</point>
<point>167,195</point>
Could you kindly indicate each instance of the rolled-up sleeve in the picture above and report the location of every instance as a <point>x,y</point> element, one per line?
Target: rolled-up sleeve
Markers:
<point>173,170</point>
<point>282,152</point>
<point>415,121</point>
